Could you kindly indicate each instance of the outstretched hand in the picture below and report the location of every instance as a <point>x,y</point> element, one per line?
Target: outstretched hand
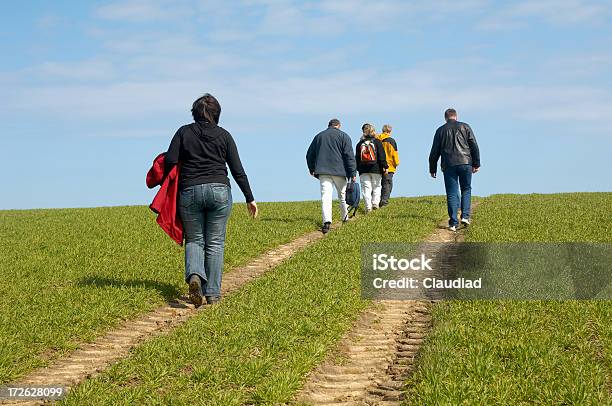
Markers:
<point>253,210</point>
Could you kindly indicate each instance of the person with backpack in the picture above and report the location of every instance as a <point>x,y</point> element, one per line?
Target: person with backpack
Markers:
<point>330,159</point>
<point>456,144</point>
<point>393,161</point>
<point>372,165</point>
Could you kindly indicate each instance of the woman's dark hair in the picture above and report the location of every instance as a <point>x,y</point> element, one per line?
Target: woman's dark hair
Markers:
<point>206,108</point>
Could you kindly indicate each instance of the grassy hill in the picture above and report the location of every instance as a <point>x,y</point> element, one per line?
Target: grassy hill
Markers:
<point>71,274</point>
<point>258,346</point>
<point>524,352</point>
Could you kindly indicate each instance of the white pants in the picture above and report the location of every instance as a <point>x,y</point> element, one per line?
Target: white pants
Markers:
<point>371,185</point>
<point>328,183</point>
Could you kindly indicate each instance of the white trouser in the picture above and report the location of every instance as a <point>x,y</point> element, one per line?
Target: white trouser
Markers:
<point>328,183</point>
<point>371,185</point>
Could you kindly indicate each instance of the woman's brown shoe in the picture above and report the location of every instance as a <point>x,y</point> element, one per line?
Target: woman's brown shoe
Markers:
<point>195,290</point>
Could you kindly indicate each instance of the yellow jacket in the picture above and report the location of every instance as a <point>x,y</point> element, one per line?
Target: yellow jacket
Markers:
<point>391,150</point>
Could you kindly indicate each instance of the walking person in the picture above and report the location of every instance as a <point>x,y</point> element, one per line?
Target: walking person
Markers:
<point>456,144</point>
<point>372,165</point>
<point>202,150</point>
<point>330,159</point>
<point>393,161</point>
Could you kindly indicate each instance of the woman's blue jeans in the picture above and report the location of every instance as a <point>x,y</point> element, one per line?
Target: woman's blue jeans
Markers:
<point>204,211</point>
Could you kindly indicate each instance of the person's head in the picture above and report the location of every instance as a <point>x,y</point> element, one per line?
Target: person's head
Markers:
<point>206,108</point>
<point>387,129</point>
<point>450,114</point>
<point>368,130</point>
<point>334,122</point>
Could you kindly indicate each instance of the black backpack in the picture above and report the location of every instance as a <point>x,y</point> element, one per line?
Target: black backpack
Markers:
<point>352,197</point>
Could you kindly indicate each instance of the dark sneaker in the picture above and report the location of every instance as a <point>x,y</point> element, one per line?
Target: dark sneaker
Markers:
<point>326,227</point>
<point>211,300</point>
<point>195,290</point>
<point>465,222</point>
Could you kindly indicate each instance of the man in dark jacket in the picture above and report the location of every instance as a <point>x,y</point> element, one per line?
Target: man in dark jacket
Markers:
<point>330,159</point>
<point>456,144</point>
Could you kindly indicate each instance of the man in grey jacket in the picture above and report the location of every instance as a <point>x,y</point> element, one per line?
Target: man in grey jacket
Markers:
<point>456,144</point>
<point>331,159</point>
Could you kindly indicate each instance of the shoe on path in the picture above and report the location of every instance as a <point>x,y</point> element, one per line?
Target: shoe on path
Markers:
<point>465,222</point>
<point>452,228</point>
<point>211,300</point>
<point>326,227</point>
<point>195,290</point>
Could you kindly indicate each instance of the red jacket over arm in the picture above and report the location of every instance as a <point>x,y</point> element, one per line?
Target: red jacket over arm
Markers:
<point>165,201</point>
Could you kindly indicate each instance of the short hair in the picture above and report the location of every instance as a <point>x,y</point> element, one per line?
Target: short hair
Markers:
<point>368,130</point>
<point>387,128</point>
<point>206,108</point>
<point>450,113</point>
<point>334,122</point>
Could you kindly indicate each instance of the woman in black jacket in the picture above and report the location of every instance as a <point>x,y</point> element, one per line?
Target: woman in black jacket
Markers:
<point>202,149</point>
<point>371,164</point>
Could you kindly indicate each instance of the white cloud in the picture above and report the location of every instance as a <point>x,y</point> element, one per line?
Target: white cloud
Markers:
<point>120,100</point>
<point>364,92</point>
<point>141,10</point>
<point>390,12</point>
<point>332,17</point>
<point>92,69</point>
<point>134,133</point>
<point>49,22</point>
<point>560,12</point>
<point>169,44</point>
<point>579,65</point>
<point>154,72</point>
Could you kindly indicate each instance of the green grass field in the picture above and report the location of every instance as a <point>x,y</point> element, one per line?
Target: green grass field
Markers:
<point>523,352</point>
<point>259,344</point>
<point>68,275</point>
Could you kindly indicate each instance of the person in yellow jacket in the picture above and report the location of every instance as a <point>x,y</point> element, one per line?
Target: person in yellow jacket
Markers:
<point>393,161</point>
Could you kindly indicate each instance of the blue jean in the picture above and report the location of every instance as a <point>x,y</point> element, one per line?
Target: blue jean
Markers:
<point>455,177</point>
<point>204,211</point>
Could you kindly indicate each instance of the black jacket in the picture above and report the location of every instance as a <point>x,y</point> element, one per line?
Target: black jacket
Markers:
<point>331,153</point>
<point>381,158</point>
<point>456,144</point>
<point>203,149</point>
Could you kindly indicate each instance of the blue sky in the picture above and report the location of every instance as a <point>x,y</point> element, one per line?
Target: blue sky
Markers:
<point>92,91</point>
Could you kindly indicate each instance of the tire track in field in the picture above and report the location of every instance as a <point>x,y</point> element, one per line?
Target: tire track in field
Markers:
<point>377,355</point>
<point>92,358</point>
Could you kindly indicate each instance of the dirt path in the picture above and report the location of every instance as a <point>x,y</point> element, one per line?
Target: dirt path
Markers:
<point>92,358</point>
<point>376,356</point>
